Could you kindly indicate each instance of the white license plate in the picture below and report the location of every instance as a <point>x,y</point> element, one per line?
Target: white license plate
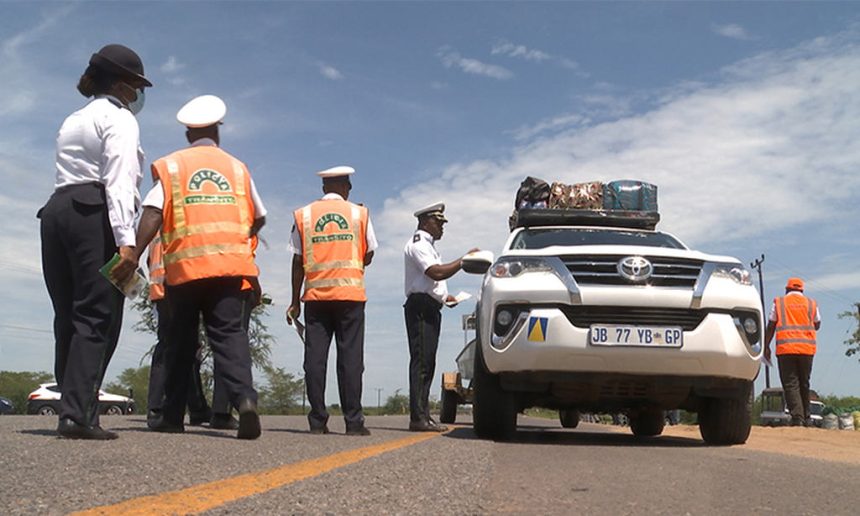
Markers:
<point>623,335</point>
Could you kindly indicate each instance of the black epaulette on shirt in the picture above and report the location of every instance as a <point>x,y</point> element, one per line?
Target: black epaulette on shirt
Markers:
<point>416,237</point>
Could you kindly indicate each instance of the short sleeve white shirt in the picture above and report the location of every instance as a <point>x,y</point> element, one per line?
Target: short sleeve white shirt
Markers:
<point>100,143</point>
<point>419,255</point>
<point>296,237</point>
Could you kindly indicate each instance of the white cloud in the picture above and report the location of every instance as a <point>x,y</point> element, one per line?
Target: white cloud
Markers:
<point>452,59</point>
<point>529,54</point>
<point>555,123</point>
<point>508,49</point>
<point>172,65</point>
<point>330,72</point>
<point>731,30</point>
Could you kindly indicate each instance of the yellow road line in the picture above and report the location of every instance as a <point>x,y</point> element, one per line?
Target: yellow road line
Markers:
<point>214,494</point>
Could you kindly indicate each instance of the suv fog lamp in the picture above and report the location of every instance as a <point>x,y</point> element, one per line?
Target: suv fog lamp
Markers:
<point>750,326</point>
<point>504,318</point>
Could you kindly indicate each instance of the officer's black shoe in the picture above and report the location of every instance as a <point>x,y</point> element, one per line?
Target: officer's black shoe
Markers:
<point>249,421</point>
<point>358,430</point>
<point>223,422</point>
<point>320,430</point>
<point>165,427</point>
<point>152,417</point>
<point>68,429</point>
<point>426,426</point>
<point>198,418</point>
<point>797,421</point>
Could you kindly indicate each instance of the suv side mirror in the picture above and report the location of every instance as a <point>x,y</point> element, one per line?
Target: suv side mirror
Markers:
<point>478,262</point>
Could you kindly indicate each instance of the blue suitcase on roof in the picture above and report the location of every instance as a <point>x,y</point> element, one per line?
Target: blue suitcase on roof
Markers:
<point>630,194</point>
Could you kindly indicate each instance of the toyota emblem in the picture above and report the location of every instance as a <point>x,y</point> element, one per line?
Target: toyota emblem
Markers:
<point>635,269</point>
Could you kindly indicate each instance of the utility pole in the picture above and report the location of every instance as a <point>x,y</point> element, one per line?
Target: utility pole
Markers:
<point>378,391</point>
<point>757,266</point>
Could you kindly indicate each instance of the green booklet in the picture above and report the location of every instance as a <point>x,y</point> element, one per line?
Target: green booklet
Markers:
<point>130,288</point>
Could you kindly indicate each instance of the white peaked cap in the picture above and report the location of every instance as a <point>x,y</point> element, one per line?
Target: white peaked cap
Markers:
<point>202,111</point>
<point>338,171</point>
<point>436,209</point>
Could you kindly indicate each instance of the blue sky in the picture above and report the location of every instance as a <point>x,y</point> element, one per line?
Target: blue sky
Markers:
<point>746,115</point>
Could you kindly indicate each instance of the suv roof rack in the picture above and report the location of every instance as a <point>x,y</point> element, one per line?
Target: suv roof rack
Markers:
<point>528,217</point>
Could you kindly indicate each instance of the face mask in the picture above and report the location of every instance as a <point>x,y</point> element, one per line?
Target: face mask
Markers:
<point>137,105</point>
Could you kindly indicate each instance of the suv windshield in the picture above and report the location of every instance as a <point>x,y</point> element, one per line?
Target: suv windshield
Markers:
<point>540,238</point>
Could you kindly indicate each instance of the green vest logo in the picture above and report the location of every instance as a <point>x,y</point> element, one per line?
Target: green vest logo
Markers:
<point>195,184</point>
<point>329,218</point>
<point>214,177</point>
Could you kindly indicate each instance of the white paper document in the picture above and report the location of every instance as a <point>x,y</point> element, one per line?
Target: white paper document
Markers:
<point>459,298</point>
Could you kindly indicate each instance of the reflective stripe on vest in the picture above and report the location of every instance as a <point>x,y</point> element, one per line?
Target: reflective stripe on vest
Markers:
<point>333,250</point>
<point>156,270</point>
<point>795,325</point>
<point>207,215</point>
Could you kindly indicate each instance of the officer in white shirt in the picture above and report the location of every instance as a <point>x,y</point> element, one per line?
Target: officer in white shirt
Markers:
<point>426,292</point>
<point>205,111</point>
<point>219,299</point>
<point>332,243</point>
<point>89,217</point>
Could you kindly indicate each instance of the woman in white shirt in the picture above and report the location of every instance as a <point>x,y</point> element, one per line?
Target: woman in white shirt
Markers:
<point>89,217</point>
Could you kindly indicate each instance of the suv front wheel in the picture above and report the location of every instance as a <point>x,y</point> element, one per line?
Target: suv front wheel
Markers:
<point>724,421</point>
<point>495,412</point>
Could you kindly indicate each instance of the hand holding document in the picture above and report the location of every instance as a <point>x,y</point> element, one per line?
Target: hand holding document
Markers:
<point>130,288</point>
<point>292,319</point>
<point>459,298</point>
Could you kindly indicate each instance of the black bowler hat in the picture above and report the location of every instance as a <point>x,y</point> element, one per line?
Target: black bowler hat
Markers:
<point>121,61</point>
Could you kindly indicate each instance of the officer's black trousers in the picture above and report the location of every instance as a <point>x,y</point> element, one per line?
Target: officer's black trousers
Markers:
<point>423,321</point>
<point>345,321</point>
<point>197,404</point>
<point>220,302</point>
<point>76,241</point>
<point>794,373</point>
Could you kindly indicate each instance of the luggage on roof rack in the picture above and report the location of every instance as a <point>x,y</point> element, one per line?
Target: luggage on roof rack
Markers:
<point>633,219</point>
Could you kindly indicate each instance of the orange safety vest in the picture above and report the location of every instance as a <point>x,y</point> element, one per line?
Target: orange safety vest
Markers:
<point>156,270</point>
<point>334,242</point>
<point>795,325</point>
<point>207,215</point>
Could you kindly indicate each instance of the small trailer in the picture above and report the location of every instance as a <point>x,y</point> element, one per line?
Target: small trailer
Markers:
<point>453,391</point>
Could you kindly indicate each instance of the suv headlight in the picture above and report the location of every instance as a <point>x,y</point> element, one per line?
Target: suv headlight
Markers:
<point>513,266</point>
<point>736,272</point>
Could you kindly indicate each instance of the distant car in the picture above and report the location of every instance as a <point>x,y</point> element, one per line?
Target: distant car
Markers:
<point>6,406</point>
<point>774,411</point>
<point>45,401</point>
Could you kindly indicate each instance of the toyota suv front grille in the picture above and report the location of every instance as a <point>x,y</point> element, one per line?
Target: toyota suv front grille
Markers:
<point>603,270</point>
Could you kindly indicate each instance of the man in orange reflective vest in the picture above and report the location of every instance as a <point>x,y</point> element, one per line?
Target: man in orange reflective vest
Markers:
<point>794,319</point>
<point>207,209</point>
<point>332,241</point>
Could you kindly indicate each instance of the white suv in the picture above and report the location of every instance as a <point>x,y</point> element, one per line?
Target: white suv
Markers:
<point>601,315</point>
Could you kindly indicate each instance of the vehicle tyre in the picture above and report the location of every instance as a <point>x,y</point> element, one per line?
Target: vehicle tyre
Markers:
<point>113,410</point>
<point>448,412</point>
<point>724,421</point>
<point>569,418</point>
<point>46,410</point>
<point>494,411</point>
<point>647,422</point>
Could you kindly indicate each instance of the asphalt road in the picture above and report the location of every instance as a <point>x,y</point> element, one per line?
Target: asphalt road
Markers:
<point>593,469</point>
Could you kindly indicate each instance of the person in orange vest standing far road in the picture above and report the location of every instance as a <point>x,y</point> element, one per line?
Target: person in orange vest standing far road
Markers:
<point>332,241</point>
<point>207,209</point>
<point>794,319</point>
